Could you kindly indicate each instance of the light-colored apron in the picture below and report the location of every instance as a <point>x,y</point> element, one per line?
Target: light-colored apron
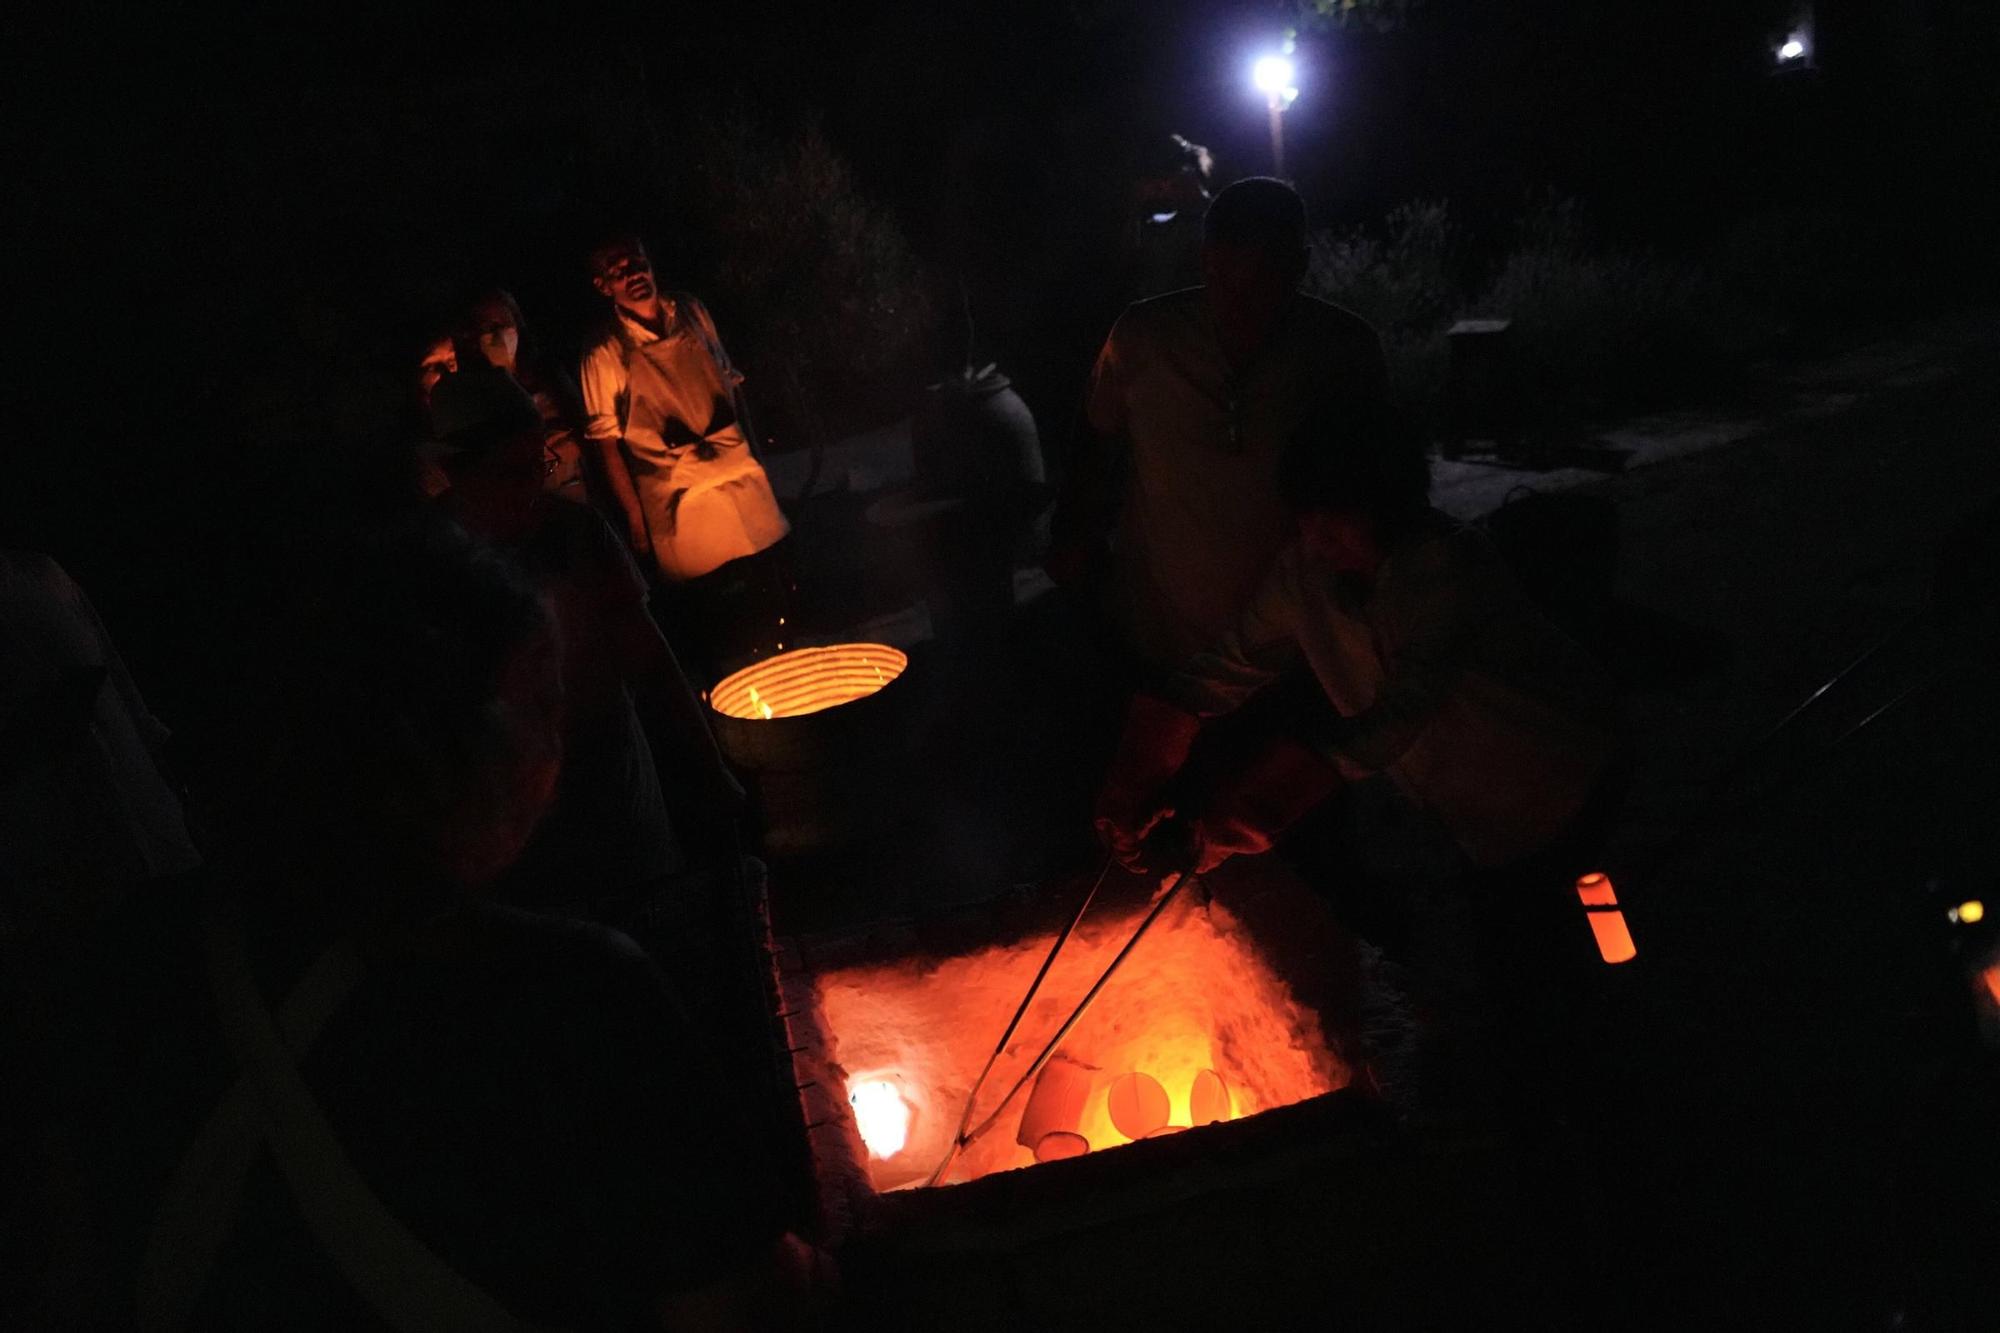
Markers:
<point>706,497</point>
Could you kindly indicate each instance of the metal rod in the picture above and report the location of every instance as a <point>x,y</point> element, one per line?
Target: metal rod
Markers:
<point>1892,704</point>
<point>1758,746</point>
<point>1082,1008</point>
<point>958,1138</point>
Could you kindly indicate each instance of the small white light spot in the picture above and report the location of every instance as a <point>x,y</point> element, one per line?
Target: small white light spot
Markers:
<point>882,1116</point>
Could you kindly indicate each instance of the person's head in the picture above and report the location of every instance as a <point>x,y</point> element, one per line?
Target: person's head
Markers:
<point>437,356</point>
<point>403,733</point>
<point>1174,174</point>
<point>491,443</point>
<point>1253,248</point>
<point>493,324</point>
<point>621,270</point>
<point>1356,480</point>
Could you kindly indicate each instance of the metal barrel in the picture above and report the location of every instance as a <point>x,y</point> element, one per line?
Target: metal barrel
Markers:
<point>816,734</point>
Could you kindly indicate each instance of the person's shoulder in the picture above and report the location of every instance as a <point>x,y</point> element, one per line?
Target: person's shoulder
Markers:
<point>688,308</point>
<point>1168,308</point>
<point>38,571</point>
<point>1335,323</point>
<point>1442,549</point>
<point>556,945</point>
<point>1155,318</point>
<point>36,565</point>
<point>578,532</point>
<point>571,517</point>
<point>602,338</point>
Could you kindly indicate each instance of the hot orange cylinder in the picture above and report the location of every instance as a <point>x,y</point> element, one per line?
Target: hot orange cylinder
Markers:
<point>1607,923</point>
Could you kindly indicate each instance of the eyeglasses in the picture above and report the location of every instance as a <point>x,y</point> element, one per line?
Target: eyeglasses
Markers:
<point>626,265</point>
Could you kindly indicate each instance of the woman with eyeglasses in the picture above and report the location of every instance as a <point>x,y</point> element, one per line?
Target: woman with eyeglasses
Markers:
<point>493,326</point>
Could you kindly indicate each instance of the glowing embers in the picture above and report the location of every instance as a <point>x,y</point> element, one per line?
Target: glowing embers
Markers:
<point>1196,1018</point>
<point>807,680</point>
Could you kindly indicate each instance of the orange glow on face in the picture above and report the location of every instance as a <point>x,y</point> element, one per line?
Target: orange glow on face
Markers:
<point>1194,999</point>
<point>1992,978</point>
<point>807,680</point>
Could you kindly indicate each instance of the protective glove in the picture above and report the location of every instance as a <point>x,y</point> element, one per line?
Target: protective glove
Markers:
<point>1157,739</point>
<point>1258,802</point>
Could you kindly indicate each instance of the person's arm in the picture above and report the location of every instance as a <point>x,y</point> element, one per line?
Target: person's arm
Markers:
<point>1161,727</point>
<point>790,1287</point>
<point>666,699</point>
<point>1432,612</point>
<point>603,383</point>
<point>687,1197</point>
<point>669,701</point>
<point>1263,646</point>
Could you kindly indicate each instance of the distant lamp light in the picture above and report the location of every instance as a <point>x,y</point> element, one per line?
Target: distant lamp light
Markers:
<point>1277,78</point>
<point>1792,50</point>
<point>1968,913</point>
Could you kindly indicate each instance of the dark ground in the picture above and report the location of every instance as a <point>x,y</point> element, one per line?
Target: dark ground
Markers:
<point>1783,1031</point>
<point>1787,1155</point>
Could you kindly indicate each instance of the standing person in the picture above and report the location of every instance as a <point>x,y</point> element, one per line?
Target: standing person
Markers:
<point>665,410</point>
<point>328,1085</point>
<point>1191,403</point>
<point>1170,199</point>
<point>84,812</point>
<point>494,325</point>
<point>607,842</point>
<point>1500,732</point>
<point>85,820</point>
<point>430,354</point>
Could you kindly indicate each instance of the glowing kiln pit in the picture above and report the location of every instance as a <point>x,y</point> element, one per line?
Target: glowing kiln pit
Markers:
<point>1195,1028</point>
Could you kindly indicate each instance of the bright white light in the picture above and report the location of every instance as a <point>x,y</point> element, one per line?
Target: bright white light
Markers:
<point>1273,77</point>
<point>1792,49</point>
<point>882,1116</point>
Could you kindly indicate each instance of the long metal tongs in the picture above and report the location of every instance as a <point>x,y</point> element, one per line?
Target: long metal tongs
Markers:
<point>963,1138</point>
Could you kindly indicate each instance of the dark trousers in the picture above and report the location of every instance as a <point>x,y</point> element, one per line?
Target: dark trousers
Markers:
<point>733,615</point>
<point>1500,962</point>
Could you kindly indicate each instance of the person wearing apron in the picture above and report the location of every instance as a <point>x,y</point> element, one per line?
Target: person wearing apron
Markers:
<point>664,407</point>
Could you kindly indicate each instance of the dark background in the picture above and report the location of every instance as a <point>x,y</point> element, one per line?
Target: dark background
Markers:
<point>228,228</point>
